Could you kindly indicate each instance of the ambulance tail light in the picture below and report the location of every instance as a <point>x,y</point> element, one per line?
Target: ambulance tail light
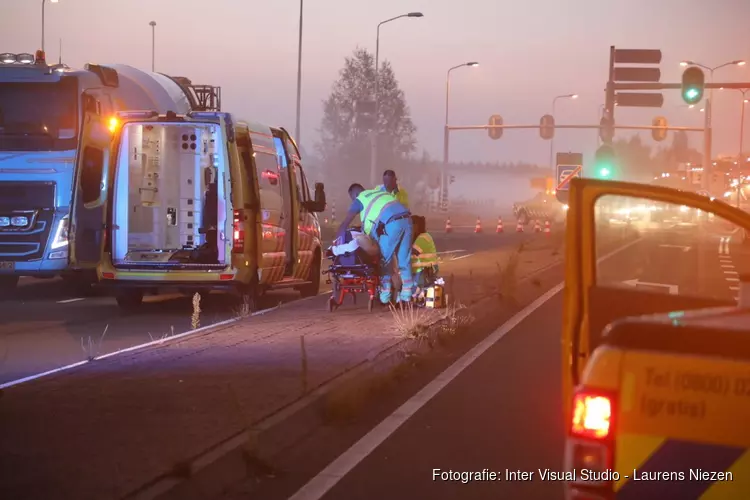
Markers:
<point>238,234</point>
<point>590,443</point>
<point>592,415</point>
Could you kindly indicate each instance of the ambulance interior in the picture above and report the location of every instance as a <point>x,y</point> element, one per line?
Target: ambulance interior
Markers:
<point>169,205</point>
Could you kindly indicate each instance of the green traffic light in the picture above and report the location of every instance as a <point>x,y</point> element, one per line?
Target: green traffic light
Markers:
<point>692,95</point>
<point>604,172</point>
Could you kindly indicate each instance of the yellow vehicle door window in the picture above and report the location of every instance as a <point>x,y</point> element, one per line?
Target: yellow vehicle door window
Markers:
<point>633,249</point>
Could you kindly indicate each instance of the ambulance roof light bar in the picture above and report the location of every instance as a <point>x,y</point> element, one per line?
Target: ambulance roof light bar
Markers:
<point>144,115</point>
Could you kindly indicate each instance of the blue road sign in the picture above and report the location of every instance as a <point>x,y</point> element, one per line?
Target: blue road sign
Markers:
<point>564,175</point>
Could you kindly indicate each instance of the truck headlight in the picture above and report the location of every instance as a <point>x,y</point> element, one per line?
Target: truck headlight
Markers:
<point>61,233</point>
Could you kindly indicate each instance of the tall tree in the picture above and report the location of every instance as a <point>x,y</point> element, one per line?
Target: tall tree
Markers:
<point>345,132</point>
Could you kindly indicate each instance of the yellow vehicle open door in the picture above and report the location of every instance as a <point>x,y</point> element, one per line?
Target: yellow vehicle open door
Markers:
<point>634,249</point>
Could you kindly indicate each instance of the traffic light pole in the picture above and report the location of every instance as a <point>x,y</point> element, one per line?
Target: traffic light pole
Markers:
<point>706,180</point>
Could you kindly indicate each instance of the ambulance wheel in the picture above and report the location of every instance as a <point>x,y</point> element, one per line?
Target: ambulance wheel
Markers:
<point>249,298</point>
<point>313,288</point>
<point>129,300</point>
<point>371,304</point>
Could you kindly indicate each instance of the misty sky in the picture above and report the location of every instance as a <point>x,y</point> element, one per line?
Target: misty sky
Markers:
<point>529,52</point>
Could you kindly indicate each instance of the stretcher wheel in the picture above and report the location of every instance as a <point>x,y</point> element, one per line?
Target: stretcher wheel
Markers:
<point>371,304</point>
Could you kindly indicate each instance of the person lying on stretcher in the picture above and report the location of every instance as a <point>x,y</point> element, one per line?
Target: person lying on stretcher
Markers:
<point>356,240</point>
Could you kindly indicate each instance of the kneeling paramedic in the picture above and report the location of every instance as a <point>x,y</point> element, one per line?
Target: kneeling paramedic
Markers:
<point>389,222</point>
<point>424,259</point>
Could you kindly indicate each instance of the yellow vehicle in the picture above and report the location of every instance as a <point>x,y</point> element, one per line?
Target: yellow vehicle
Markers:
<point>656,375</point>
<point>200,202</point>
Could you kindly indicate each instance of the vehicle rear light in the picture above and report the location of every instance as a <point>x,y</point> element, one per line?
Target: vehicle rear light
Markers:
<point>592,415</point>
<point>590,443</point>
<point>238,234</point>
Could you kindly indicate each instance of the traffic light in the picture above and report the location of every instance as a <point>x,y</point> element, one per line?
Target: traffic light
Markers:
<point>693,82</point>
<point>547,127</point>
<point>605,162</point>
<point>659,134</point>
<point>495,133</point>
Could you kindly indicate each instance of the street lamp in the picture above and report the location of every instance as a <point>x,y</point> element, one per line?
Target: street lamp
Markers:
<point>552,141</point>
<point>153,46</point>
<point>374,155</point>
<point>709,112</point>
<point>446,132</point>
<point>447,100</point>
<point>299,74</point>
<point>44,2</point>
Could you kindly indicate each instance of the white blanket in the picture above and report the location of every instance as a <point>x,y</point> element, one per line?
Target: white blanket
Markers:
<point>359,240</point>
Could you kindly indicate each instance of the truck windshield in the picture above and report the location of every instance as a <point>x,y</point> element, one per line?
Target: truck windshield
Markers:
<point>39,116</point>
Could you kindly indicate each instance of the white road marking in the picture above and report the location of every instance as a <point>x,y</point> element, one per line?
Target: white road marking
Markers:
<point>318,486</point>
<point>461,257</point>
<point>734,288</point>
<point>68,301</point>
<point>724,245</point>
<point>731,272</point>
<point>732,279</point>
<point>450,251</point>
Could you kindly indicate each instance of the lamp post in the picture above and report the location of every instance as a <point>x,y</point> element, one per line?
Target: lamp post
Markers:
<point>153,46</point>
<point>44,2</point>
<point>446,132</point>
<point>707,139</point>
<point>299,74</point>
<point>552,141</point>
<point>376,128</point>
<point>741,159</point>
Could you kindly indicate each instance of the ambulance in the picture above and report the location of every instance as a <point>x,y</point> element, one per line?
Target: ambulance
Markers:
<point>204,202</point>
<point>656,376</point>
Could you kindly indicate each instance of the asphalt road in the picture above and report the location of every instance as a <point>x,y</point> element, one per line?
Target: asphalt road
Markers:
<point>44,326</point>
<point>502,413</point>
<point>683,259</point>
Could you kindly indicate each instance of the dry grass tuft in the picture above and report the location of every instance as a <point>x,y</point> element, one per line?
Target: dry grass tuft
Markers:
<point>92,349</point>
<point>411,322</point>
<point>195,320</point>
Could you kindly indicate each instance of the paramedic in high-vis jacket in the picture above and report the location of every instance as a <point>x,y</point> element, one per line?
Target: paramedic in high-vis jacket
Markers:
<point>391,185</point>
<point>424,257</point>
<point>389,223</point>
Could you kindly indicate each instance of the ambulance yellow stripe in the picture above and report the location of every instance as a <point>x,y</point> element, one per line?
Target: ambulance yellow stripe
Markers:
<point>736,487</point>
<point>631,451</point>
<point>691,469</point>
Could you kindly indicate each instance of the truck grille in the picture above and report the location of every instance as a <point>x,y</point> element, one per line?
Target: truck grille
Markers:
<point>35,200</point>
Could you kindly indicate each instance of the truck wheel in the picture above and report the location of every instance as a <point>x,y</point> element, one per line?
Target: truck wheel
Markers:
<point>313,288</point>
<point>129,300</point>
<point>8,286</point>
<point>8,282</point>
<point>523,218</point>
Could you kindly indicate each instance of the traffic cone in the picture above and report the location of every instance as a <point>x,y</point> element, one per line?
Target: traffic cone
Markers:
<point>547,228</point>
<point>519,227</point>
<point>448,227</point>
<point>537,227</point>
<point>499,225</point>
<point>478,227</point>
